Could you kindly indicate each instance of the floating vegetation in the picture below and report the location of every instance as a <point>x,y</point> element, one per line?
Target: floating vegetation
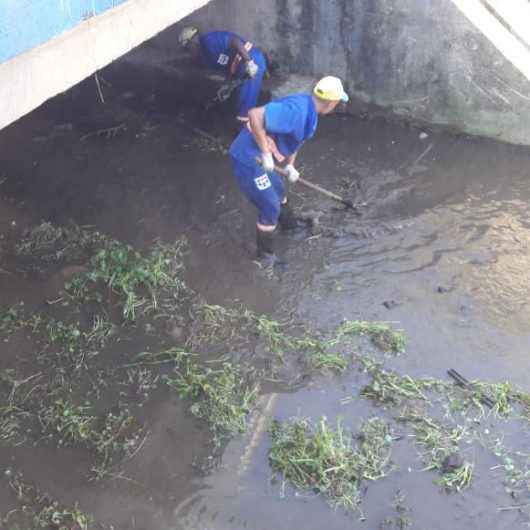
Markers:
<point>389,388</point>
<point>11,319</point>
<point>68,423</point>
<point>40,407</point>
<point>112,437</point>
<point>138,280</point>
<point>514,464</point>
<point>239,326</point>
<point>215,324</point>
<point>328,361</point>
<point>381,334</point>
<point>439,447</point>
<point>324,460</point>
<point>102,331</point>
<point>49,243</point>
<point>39,511</point>
<point>69,336</point>
<point>222,397</point>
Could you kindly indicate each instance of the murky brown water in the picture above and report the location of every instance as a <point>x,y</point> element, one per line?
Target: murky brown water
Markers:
<point>446,213</point>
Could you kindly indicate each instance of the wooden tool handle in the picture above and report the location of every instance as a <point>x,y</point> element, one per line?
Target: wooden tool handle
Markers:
<point>284,173</point>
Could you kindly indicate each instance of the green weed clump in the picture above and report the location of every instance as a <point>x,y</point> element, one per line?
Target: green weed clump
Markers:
<point>217,325</point>
<point>39,511</point>
<point>380,333</point>
<point>328,361</point>
<point>49,243</point>
<point>138,280</point>
<point>10,319</point>
<point>221,397</point>
<point>68,335</point>
<point>389,388</point>
<point>110,437</point>
<point>439,445</point>
<point>324,460</point>
<point>11,429</point>
<point>68,423</point>
<point>314,351</point>
<point>514,464</point>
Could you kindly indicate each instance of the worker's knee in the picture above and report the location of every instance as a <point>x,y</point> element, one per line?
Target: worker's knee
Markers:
<point>265,227</point>
<point>269,209</point>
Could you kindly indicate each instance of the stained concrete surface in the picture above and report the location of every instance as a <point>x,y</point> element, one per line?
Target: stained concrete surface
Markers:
<point>420,58</point>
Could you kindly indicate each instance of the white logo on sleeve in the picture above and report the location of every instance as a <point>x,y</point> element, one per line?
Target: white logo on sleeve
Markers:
<point>223,59</point>
<point>263,182</point>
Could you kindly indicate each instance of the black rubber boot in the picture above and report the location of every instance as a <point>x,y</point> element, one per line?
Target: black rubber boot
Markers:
<point>265,244</point>
<point>287,220</point>
<point>268,261</point>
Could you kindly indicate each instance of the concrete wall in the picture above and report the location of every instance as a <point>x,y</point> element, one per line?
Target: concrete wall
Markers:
<point>422,58</point>
<point>28,79</point>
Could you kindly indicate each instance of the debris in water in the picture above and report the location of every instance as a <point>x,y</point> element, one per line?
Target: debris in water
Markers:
<point>323,459</point>
<point>38,510</point>
<point>381,334</point>
<point>452,462</point>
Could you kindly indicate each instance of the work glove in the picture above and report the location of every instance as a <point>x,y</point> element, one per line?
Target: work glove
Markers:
<point>251,69</point>
<point>267,161</point>
<point>292,173</point>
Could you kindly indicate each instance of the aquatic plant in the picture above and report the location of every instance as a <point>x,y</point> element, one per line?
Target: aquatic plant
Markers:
<point>388,387</point>
<point>37,510</point>
<point>439,446</point>
<point>222,397</point>
<point>138,279</point>
<point>49,243</point>
<point>324,460</point>
<point>381,334</point>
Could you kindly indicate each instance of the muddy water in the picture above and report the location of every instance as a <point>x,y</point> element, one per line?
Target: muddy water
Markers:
<point>445,242</point>
<point>443,239</point>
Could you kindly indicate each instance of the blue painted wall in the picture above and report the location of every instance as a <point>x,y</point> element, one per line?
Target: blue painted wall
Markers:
<point>25,24</point>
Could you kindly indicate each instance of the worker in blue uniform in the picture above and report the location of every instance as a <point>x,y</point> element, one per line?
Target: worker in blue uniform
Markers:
<point>236,57</point>
<point>274,135</point>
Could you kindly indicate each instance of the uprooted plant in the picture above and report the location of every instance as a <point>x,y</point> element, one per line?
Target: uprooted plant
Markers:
<point>39,408</point>
<point>37,510</point>
<point>111,436</point>
<point>221,394</point>
<point>138,280</point>
<point>389,388</point>
<point>381,334</point>
<point>240,326</point>
<point>439,446</point>
<point>324,459</point>
<point>49,243</point>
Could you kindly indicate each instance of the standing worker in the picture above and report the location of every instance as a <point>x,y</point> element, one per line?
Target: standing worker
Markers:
<point>238,58</point>
<point>274,134</point>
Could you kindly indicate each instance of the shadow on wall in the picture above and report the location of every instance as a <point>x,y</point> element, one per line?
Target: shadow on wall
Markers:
<point>424,60</point>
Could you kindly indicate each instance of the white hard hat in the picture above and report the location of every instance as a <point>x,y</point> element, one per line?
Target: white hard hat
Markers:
<point>187,35</point>
<point>330,89</point>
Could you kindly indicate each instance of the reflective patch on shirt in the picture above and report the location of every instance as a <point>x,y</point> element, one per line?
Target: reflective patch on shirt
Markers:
<point>263,182</point>
<point>223,59</point>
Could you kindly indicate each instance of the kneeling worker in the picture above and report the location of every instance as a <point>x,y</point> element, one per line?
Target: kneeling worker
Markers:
<point>274,134</point>
<point>235,57</point>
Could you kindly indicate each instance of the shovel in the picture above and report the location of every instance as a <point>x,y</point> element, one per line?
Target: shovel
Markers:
<point>349,204</point>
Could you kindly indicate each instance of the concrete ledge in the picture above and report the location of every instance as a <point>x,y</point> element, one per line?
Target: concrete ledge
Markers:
<point>28,80</point>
